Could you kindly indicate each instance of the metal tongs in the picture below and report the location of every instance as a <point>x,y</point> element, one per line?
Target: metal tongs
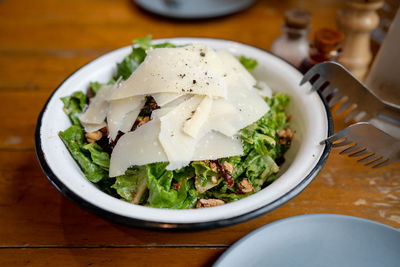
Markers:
<point>337,85</point>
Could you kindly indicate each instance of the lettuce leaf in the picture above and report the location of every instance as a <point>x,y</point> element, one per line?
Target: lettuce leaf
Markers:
<point>204,174</point>
<point>248,63</point>
<point>159,182</point>
<point>95,86</point>
<point>259,168</point>
<point>161,192</point>
<point>143,43</point>
<point>130,63</point>
<point>132,186</point>
<point>187,194</point>
<point>73,139</point>
<point>73,105</point>
<point>97,155</point>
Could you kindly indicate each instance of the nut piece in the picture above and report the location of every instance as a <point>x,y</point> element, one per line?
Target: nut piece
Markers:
<point>213,166</point>
<point>93,136</point>
<point>245,186</point>
<point>285,136</point>
<point>229,167</point>
<point>214,179</point>
<point>177,186</point>
<point>206,203</point>
<point>105,131</point>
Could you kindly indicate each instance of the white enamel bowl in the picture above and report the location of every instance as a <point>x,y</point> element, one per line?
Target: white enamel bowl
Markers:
<point>311,121</point>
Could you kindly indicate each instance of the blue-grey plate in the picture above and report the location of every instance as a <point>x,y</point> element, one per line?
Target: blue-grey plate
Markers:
<point>323,240</point>
<point>193,9</point>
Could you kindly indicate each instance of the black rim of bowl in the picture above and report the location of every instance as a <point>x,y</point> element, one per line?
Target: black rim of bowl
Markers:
<point>178,226</point>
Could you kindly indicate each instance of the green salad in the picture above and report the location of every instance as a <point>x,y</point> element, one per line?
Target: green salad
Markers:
<point>201,183</point>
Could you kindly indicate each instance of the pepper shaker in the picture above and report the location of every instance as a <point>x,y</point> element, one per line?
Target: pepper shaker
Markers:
<point>357,20</point>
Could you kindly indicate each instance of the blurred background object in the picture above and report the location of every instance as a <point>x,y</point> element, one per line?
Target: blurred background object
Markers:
<point>386,16</point>
<point>384,77</point>
<point>325,47</point>
<point>357,20</point>
<point>193,9</point>
<point>293,44</point>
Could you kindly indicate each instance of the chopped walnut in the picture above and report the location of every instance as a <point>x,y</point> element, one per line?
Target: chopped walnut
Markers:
<point>206,203</point>
<point>104,131</point>
<point>224,172</point>
<point>93,136</point>
<point>177,186</point>
<point>214,179</point>
<point>142,121</point>
<point>245,186</point>
<point>229,167</point>
<point>285,136</point>
<point>213,166</point>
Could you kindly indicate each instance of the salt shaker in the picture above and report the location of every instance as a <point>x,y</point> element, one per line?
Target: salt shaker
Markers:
<point>293,44</point>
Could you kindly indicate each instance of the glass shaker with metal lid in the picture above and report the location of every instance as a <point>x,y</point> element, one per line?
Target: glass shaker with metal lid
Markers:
<point>293,44</point>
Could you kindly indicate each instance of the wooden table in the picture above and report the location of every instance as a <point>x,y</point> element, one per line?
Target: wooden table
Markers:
<point>41,43</point>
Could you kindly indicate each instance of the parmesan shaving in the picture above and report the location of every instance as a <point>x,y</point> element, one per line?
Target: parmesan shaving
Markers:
<point>181,70</point>
<point>193,124</point>
<point>139,147</point>
<point>93,127</point>
<point>206,97</point>
<point>122,114</point>
<point>98,108</point>
<point>178,146</point>
<point>165,98</point>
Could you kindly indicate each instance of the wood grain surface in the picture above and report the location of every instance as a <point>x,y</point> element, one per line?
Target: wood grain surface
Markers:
<point>41,43</point>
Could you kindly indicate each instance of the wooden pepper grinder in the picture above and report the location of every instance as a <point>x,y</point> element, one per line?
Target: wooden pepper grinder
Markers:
<point>356,20</point>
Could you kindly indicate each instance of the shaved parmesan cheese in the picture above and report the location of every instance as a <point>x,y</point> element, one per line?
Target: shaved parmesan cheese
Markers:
<point>93,127</point>
<point>178,146</point>
<point>215,145</point>
<point>177,101</point>
<point>129,120</point>
<point>243,107</point>
<point>97,110</point>
<point>158,113</point>
<point>206,97</point>
<point>139,147</point>
<point>194,69</point>
<point>223,118</point>
<point>118,118</point>
<point>165,98</point>
<point>193,124</point>
<point>236,69</point>
<point>263,89</point>
<point>250,105</point>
